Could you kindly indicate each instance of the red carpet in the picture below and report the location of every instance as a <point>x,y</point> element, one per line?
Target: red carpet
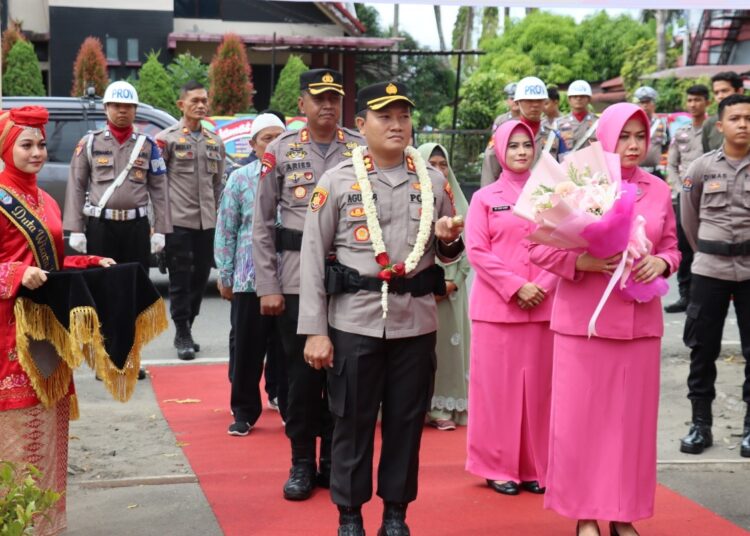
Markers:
<point>242,478</point>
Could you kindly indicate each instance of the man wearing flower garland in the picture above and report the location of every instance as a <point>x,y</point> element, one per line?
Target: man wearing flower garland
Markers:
<point>291,166</point>
<point>386,216</point>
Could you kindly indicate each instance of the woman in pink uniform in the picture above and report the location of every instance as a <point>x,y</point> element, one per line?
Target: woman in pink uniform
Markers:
<point>511,343</point>
<point>605,389</point>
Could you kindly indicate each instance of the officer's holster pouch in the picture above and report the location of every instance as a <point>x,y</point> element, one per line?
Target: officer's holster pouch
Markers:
<point>341,279</point>
<point>288,239</point>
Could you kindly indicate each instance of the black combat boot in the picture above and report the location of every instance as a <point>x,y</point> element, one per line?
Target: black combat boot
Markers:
<point>394,520</point>
<point>745,445</point>
<point>183,341</point>
<point>196,346</point>
<point>680,306</point>
<point>350,521</point>
<point>699,437</point>
<point>301,480</point>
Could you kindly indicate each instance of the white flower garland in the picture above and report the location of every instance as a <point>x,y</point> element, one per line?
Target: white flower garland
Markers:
<point>376,233</point>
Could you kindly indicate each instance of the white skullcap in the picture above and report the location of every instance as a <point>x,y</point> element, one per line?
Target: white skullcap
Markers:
<point>265,121</point>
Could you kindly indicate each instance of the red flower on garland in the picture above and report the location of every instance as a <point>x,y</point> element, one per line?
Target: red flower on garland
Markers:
<point>383,259</point>
<point>398,269</point>
<point>385,275</point>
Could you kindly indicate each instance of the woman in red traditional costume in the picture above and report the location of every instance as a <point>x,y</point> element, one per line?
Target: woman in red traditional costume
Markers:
<point>31,245</point>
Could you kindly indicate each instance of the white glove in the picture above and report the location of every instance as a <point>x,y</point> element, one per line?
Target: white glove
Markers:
<point>157,242</point>
<point>78,242</point>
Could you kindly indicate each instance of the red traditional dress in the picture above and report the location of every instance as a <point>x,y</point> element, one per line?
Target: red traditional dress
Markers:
<point>31,433</point>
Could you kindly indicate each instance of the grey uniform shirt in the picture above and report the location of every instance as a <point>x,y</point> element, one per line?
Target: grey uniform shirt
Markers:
<point>659,139</point>
<point>572,131</point>
<point>715,205</point>
<point>491,167</point>
<point>291,167</point>
<point>146,180</point>
<point>686,146</point>
<point>339,224</point>
<point>195,168</point>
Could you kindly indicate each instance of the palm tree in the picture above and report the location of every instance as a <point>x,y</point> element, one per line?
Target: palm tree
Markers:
<point>439,22</point>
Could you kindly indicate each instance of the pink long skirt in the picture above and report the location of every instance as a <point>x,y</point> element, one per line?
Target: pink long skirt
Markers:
<point>602,450</point>
<point>509,400</point>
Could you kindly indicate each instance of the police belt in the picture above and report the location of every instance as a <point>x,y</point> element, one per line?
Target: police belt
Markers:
<point>725,249</point>
<point>115,214</point>
<point>341,279</point>
<point>288,239</point>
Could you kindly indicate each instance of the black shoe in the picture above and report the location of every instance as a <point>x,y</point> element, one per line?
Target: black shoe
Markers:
<point>680,306</point>
<point>533,487</point>
<point>699,437</point>
<point>506,488</point>
<point>394,520</point>
<point>323,476</point>
<point>745,445</point>
<point>183,341</point>
<point>196,347</point>
<point>301,481</point>
<point>141,373</point>
<point>613,529</point>
<point>350,521</point>
<point>238,428</point>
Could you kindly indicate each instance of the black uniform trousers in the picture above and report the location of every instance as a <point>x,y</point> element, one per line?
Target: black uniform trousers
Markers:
<point>190,253</point>
<point>683,271</point>
<point>307,411</point>
<point>255,338</point>
<point>709,304</point>
<point>368,374</point>
<point>123,241</point>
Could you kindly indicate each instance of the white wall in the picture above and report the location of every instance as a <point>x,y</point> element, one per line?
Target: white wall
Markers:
<point>32,13</point>
<point>217,26</point>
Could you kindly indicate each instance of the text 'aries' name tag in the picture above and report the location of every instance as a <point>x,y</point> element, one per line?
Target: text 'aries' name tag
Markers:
<point>501,208</point>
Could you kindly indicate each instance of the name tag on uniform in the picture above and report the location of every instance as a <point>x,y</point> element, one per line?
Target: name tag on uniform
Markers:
<point>501,208</point>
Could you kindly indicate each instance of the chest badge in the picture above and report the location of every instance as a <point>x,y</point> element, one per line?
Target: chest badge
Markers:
<point>357,212</point>
<point>296,155</point>
<point>300,192</point>
<point>713,186</point>
<point>362,233</point>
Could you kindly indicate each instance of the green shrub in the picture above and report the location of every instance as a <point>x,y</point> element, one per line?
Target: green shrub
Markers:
<point>286,92</point>
<point>154,85</point>
<point>90,68</point>
<point>185,68</point>
<point>23,76</point>
<point>231,83</point>
<point>22,501</point>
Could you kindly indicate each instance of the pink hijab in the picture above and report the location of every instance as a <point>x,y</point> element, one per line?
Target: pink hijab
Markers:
<point>611,123</point>
<point>502,138</point>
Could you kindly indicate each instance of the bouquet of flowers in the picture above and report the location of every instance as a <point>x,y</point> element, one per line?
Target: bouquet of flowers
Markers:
<point>583,203</point>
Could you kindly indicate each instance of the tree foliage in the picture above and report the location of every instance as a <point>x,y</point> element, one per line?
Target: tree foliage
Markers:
<point>11,35</point>
<point>490,24</point>
<point>90,68</point>
<point>230,78</point>
<point>186,67</point>
<point>428,78</point>
<point>154,85</point>
<point>23,76</point>
<point>286,92</point>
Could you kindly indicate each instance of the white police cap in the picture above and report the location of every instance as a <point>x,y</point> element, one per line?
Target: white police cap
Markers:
<point>579,88</point>
<point>121,92</point>
<point>645,93</point>
<point>510,90</point>
<point>530,88</point>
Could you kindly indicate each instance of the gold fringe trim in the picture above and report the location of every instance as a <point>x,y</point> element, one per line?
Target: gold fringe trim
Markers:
<point>75,414</point>
<point>82,342</point>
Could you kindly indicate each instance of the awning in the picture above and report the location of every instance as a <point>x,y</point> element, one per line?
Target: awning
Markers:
<point>286,41</point>
<point>694,71</point>
<point>589,4</point>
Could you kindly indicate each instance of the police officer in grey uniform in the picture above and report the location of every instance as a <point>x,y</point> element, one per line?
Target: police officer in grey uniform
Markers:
<point>376,360</point>
<point>513,111</point>
<point>291,167</point>
<point>530,96</point>
<point>645,97</point>
<point>723,84</point>
<point>195,167</point>
<point>716,218</point>
<point>686,146</point>
<point>113,174</point>
<point>578,128</point>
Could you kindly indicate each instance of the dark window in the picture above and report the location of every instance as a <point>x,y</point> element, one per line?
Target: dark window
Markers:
<point>200,9</point>
<point>63,134</point>
<point>113,53</point>
<point>132,50</point>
